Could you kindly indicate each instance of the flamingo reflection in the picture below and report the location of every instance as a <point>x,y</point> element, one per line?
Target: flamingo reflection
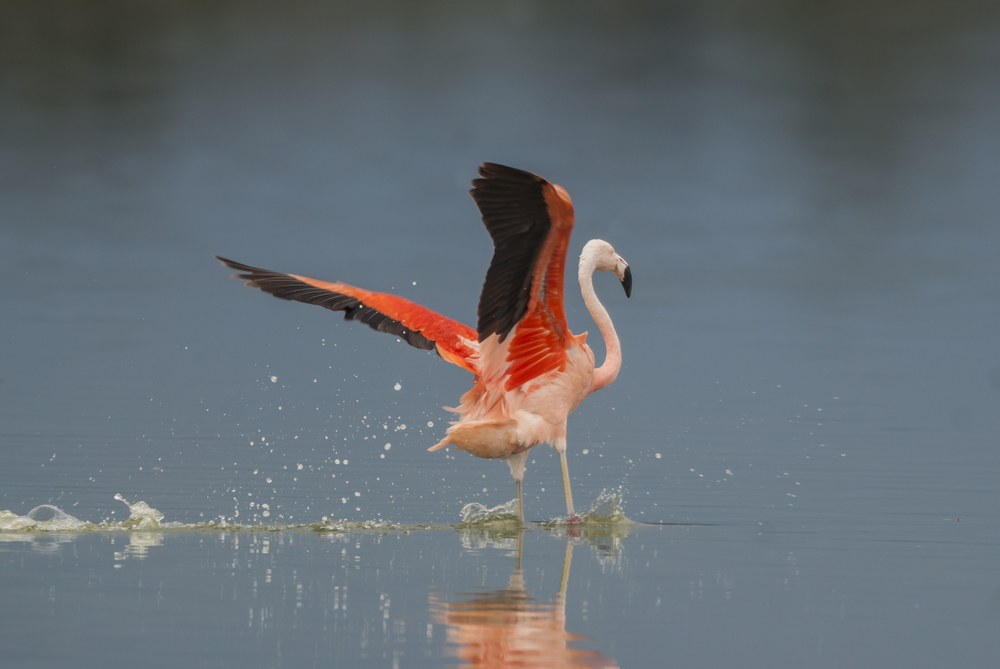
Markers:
<point>507,628</point>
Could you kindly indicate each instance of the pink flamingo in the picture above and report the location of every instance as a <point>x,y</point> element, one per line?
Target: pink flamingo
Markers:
<point>530,371</point>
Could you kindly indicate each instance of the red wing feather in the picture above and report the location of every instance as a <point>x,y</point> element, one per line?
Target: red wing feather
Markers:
<point>530,221</point>
<point>416,325</point>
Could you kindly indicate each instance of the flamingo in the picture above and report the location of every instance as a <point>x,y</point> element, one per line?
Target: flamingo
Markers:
<point>530,371</point>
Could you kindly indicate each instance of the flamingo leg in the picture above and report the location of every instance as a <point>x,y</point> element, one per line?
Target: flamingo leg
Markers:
<point>564,466</point>
<point>516,464</point>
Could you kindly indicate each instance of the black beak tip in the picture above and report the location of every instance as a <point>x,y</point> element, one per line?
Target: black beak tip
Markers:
<point>627,281</point>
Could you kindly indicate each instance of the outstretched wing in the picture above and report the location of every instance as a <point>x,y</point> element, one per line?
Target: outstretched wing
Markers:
<point>530,221</point>
<point>416,325</point>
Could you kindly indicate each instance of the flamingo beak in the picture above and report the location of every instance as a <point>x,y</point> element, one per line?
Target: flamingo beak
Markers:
<point>627,281</point>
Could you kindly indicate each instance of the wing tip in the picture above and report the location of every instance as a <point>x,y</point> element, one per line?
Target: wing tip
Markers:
<point>494,171</point>
<point>238,266</point>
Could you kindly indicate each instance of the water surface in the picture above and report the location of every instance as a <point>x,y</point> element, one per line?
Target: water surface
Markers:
<point>804,430</point>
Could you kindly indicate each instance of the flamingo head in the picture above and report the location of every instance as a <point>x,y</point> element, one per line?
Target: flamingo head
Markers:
<point>601,256</point>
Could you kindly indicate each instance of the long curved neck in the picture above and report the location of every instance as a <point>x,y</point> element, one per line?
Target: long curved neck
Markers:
<point>606,373</point>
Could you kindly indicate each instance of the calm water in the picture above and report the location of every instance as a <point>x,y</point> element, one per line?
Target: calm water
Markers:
<point>805,430</point>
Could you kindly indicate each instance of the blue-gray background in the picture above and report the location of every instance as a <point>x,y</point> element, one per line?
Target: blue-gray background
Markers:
<point>806,192</point>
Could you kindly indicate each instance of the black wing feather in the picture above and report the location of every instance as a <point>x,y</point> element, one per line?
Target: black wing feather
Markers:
<point>289,288</point>
<point>512,203</point>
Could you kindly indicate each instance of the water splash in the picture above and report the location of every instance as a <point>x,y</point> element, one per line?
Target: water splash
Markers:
<point>332,525</point>
<point>146,527</point>
<point>46,518</point>
<point>607,509</point>
<point>477,514</point>
<point>141,515</point>
<point>49,518</point>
